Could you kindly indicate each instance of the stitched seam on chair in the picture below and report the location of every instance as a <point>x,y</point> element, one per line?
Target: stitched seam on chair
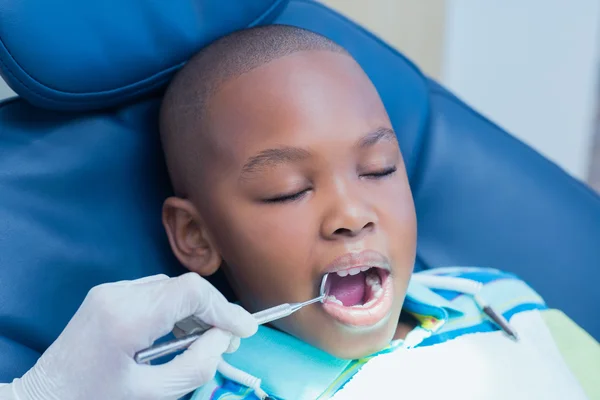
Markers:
<point>269,11</point>
<point>81,96</point>
<point>11,73</point>
<point>18,343</point>
<point>13,332</point>
<point>128,89</point>
<point>424,140</point>
<point>8,100</point>
<point>421,143</point>
<point>572,181</point>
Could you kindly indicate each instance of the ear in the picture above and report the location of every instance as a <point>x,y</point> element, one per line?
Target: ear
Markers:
<point>190,240</point>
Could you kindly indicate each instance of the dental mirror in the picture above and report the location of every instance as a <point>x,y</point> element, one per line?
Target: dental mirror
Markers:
<point>324,289</point>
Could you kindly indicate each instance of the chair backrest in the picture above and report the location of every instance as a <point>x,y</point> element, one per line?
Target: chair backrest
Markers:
<point>82,177</point>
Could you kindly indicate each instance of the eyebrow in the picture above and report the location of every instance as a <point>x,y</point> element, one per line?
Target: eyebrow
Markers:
<point>378,135</point>
<point>272,157</point>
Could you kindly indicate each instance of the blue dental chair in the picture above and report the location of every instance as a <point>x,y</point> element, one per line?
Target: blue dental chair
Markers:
<point>82,178</point>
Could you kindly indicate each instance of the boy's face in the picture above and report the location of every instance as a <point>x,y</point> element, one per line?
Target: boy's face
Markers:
<point>302,175</point>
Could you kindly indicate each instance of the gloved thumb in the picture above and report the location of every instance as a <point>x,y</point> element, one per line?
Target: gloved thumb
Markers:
<point>194,367</point>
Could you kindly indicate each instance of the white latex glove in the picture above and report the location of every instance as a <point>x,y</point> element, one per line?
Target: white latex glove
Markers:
<point>93,356</point>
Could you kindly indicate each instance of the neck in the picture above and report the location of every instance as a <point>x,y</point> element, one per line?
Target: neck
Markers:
<point>406,323</point>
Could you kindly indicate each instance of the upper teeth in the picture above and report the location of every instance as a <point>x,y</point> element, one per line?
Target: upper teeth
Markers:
<point>374,281</point>
<point>352,271</point>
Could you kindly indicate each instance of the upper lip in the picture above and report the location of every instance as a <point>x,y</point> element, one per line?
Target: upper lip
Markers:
<point>366,258</point>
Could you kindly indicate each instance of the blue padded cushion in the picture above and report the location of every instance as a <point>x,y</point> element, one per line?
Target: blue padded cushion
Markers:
<point>80,198</point>
<point>92,54</point>
<point>80,205</point>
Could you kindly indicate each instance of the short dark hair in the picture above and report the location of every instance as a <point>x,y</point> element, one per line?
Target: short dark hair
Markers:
<point>187,96</point>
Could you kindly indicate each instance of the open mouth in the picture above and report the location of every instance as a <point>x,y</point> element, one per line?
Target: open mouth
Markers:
<point>359,296</point>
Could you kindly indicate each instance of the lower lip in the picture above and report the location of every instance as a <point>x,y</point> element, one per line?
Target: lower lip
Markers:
<point>364,316</point>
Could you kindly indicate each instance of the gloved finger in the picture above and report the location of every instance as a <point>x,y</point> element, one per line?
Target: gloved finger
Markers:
<point>194,367</point>
<point>146,279</point>
<point>234,345</point>
<point>190,294</point>
<point>150,279</point>
<point>230,317</point>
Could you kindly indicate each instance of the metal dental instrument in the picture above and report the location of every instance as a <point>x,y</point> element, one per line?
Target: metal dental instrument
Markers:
<point>190,329</point>
<point>470,287</point>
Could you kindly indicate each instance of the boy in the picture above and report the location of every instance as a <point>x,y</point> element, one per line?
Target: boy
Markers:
<point>285,168</point>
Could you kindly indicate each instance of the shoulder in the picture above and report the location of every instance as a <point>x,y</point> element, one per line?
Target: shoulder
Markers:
<point>504,291</point>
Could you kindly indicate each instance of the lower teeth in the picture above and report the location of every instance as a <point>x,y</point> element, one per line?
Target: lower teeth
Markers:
<point>367,304</point>
<point>332,299</point>
<point>373,280</point>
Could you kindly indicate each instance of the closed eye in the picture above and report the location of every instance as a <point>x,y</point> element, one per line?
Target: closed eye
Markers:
<point>380,174</point>
<point>285,198</point>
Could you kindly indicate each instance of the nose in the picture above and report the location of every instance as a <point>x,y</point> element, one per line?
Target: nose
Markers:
<point>349,216</point>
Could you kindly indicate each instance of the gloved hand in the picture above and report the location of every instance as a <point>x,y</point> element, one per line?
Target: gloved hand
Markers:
<point>93,357</point>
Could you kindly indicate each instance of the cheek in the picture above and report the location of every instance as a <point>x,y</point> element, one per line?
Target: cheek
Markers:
<point>398,220</point>
<point>266,255</point>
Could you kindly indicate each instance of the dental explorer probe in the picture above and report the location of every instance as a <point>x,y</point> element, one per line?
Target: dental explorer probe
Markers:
<point>472,288</point>
<point>192,329</point>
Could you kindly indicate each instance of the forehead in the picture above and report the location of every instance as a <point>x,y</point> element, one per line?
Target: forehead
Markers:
<point>302,99</point>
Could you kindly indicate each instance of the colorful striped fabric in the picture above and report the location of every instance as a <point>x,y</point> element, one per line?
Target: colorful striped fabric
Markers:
<point>292,370</point>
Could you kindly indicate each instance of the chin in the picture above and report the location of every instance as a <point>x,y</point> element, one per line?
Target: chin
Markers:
<point>352,348</point>
<point>350,343</point>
